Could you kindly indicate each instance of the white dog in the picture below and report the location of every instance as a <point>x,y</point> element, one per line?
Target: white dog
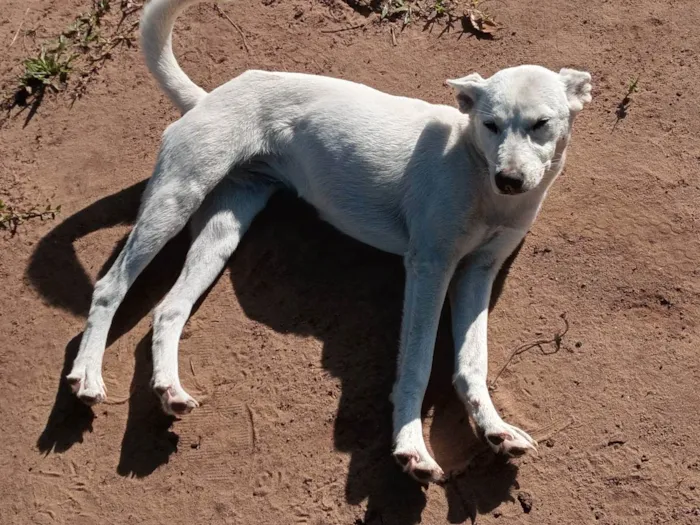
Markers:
<point>453,191</point>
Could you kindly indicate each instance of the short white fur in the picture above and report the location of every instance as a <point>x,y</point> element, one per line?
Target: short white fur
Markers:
<point>408,177</point>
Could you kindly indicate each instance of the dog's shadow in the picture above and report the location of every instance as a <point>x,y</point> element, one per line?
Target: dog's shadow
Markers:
<point>349,296</point>
<point>323,284</point>
<point>55,271</point>
<point>297,275</point>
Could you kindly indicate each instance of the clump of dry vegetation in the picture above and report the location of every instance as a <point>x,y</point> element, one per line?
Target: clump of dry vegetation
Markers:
<point>72,59</point>
<point>11,217</point>
<point>624,104</point>
<point>473,15</point>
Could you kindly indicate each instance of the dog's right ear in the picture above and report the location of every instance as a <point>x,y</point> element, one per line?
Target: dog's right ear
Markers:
<point>468,89</point>
<point>577,85</point>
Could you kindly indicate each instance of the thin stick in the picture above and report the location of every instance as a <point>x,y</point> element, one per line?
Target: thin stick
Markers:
<point>556,341</point>
<point>235,26</point>
<point>254,433</point>
<point>547,431</point>
<point>393,37</point>
<point>20,27</point>
<point>119,401</point>
<point>358,26</point>
<point>196,381</point>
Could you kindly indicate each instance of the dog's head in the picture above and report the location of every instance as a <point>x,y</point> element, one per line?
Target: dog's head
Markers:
<point>521,120</point>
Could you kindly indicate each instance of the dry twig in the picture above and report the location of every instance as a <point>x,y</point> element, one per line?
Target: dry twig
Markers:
<point>235,26</point>
<point>556,341</point>
<point>351,28</point>
<point>18,29</point>
<point>254,433</point>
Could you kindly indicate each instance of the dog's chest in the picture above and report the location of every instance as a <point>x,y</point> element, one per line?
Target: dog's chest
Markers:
<point>495,229</point>
<point>492,242</point>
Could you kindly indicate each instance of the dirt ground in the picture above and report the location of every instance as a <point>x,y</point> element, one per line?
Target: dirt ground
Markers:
<point>292,351</point>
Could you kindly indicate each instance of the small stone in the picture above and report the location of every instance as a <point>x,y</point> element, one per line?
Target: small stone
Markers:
<point>525,499</point>
<point>616,441</point>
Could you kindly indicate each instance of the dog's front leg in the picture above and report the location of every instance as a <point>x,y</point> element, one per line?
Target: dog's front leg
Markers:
<point>469,293</point>
<point>427,278</point>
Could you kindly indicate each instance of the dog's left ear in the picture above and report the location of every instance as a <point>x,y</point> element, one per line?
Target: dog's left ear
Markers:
<point>577,85</point>
<point>468,89</point>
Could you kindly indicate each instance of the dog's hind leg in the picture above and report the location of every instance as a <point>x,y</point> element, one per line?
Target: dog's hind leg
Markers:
<point>217,228</point>
<point>189,165</point>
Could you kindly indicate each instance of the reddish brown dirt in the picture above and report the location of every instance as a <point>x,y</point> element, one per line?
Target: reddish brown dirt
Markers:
<point>293,349</point>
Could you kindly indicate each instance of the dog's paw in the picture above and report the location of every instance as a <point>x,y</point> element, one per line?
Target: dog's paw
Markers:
<point>509,440</point>
<point>87,385</point>
<point>422,469</point>
<point>174,400</point>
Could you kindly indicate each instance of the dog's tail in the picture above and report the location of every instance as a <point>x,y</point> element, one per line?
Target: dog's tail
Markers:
<point>156,42</point>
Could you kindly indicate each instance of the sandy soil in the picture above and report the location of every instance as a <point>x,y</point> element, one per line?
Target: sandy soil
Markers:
<point>293,349</point>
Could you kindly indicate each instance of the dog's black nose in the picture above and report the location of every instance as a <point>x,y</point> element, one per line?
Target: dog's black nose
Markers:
<point>509,183</point>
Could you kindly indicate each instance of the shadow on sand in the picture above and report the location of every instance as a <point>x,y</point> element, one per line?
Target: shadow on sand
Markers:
<point>297,275</point>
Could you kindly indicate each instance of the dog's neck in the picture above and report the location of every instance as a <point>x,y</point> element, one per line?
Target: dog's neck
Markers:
<point>478,161</point>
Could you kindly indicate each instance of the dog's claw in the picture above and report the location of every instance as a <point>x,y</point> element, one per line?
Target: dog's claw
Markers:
<point>422,470</point>
<point>175,401</point>
<point>89,388</point>
<point>511,441</point>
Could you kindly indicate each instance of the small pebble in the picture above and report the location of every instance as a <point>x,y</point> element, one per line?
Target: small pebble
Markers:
<point>525,499</point>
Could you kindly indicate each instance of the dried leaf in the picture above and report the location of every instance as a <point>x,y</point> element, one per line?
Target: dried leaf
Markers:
<point>489,26</point>
<point>474,18</point>
<point>482,23</point>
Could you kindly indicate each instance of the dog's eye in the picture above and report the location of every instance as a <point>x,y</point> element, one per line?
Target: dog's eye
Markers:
<point>491,126</point>
<point>540,124</point>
